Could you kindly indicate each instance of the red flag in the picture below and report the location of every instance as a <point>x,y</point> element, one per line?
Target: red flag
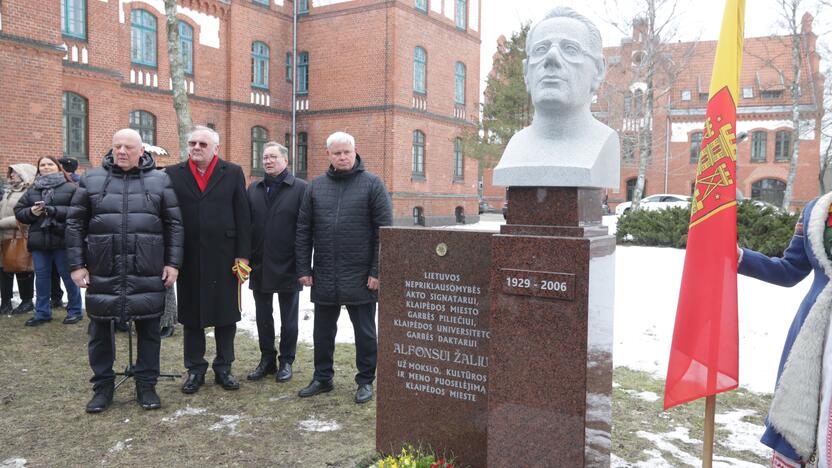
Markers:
<point>704,353</point>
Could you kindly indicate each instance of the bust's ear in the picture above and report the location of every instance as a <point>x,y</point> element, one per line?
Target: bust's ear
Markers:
<point>526,74</point>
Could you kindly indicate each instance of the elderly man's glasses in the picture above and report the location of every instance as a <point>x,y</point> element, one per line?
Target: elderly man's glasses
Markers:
<point>570,51</point>
<point>201,144</point>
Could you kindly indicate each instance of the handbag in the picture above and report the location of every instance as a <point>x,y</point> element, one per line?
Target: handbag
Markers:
<point>16,257</point>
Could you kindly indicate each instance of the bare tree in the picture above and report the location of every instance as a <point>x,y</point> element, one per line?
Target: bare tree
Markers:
<point>658,67</point>
<point>177,74</point>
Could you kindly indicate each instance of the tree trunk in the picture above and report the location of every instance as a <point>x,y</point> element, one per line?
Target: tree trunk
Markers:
<point>177,74</point>
<point>797,40</point>
<point>645,138</point>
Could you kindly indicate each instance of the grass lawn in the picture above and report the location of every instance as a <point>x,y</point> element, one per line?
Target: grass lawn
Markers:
<point>44,387</point>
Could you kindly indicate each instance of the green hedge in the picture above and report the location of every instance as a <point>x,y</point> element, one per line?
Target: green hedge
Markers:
<point>765,229</point>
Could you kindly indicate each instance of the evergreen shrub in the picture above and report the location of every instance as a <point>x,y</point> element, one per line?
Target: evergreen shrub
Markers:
<point>763,228</point>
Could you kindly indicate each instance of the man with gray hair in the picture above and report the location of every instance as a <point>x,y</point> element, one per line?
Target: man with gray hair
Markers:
<point>217,220</point>
<point>275,202</point>
<point>565,146</point>
<point>339,219</point>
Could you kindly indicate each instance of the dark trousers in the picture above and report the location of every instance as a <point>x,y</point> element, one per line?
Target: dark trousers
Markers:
<point>194,341</point>
<point>57,293</point>
<point>25,286</point>
<point>102,354</point>
<point>363,317</point>
<point>288,302</point>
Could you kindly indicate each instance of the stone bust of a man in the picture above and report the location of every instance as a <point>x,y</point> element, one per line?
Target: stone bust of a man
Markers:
<point>565,146</point>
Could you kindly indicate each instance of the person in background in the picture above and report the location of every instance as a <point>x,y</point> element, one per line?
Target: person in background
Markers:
<point>275,202</point>
<point>20,177</point>
<point>70,165</point>
<point>44,207</point>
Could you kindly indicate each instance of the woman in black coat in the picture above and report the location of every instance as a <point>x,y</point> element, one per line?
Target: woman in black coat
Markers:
<point>45,206</point>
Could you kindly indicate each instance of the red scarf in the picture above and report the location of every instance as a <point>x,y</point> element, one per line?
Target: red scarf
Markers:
<point>202,180</point>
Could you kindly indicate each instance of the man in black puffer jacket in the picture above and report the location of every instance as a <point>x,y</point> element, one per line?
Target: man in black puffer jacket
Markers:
<point>339,218</point>
<point>124,241</point>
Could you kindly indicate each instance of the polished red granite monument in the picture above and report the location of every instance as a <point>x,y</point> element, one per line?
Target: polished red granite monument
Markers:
<point>497,348</point>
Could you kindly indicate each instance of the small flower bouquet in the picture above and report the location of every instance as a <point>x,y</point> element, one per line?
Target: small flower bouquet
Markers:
<point>411,457</point>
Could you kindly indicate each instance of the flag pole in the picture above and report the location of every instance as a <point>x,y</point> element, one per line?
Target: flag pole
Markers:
<point>708,443</point>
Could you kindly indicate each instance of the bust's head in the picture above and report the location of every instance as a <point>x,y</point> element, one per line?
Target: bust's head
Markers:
<point>564,62</point>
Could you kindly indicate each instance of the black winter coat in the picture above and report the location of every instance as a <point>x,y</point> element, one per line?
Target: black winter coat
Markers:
<point>125,227</point>
<point>339,219</point>
<point>273,235</point>
<point>47,231</point>
<point>217,230</point>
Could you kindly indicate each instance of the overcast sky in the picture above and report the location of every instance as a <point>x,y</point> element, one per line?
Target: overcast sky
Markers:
<point>702,20</point>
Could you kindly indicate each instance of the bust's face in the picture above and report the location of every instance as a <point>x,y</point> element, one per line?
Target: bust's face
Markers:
<point>559,71</point>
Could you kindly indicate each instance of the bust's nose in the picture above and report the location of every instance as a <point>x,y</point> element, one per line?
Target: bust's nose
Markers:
<point>553,58</point>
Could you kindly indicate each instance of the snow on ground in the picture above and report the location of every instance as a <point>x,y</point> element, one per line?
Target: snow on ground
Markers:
<point>14,463</point>
<point>315,425</point>
<point>186,411</point>
<point>120,445</point>
<point>228,422</point>
<point>743,435</point>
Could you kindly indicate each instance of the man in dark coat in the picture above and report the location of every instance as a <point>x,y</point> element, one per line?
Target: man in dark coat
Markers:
<point>217,220</point>
<point>124,241</point>
<point>340,217</point>
<point>275,202</point>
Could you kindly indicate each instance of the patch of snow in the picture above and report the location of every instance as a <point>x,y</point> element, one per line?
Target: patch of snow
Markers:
<point>726,462</point>
<point>186,411</point>
<point>228,422</point>
<point>662,443</point>
<point>647,396</point>
<point>744,436</point>
<point>121,445</point>
<point>13,463</point>
<point>315,425</point>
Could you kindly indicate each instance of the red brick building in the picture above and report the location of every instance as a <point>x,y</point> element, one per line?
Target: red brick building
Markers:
<point>682,84</point>
<point>400,75</point>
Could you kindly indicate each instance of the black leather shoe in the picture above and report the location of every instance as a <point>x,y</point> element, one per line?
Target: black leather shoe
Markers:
<point>315,387</point>
<point>364,393</point>
<point>263,369</point>
<point>147,397</point>
<point>6,308</point>
<point>166,332</point>
<point>23,308</point>
<point>228,381</point>
<point>193,382</point>
<point>101,400</point>
<point>70,319</point>
<point>285,372</point>
<point>34,322</point>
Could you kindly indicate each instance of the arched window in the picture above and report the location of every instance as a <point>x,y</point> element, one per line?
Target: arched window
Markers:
<point>420,67</point>
<point>145,123</point>
<point>628,103</point>
<point>303,7</point>
<point>783,145</point>
<point>418,153</point>
<point>186,45</point>
<point>695,146</point>
<point>75,126</point>
<point>418,216</point>
<point>459,163</point>
<point>143,37</point>
<point>259,65</point>
<point>303,72</point>
<point>769,190</point>
<point>459,88</point>
<point>302,151</point>
<point>259,137</point>
<point>759,140</point>
<point>459,214</point>
<point>74,18</point>
<point>461,16</point>
<point>638,100</point>
<point>631,188</point>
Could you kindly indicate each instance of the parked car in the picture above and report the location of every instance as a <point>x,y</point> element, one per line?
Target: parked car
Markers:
<point>505,208</point>
<point>484,207</point>
<point>656,202</point>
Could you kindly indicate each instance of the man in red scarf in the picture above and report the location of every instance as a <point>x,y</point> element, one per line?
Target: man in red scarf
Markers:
<point>217,220</point>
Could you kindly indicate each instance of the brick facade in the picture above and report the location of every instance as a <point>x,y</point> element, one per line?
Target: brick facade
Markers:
<point>360,81</point>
